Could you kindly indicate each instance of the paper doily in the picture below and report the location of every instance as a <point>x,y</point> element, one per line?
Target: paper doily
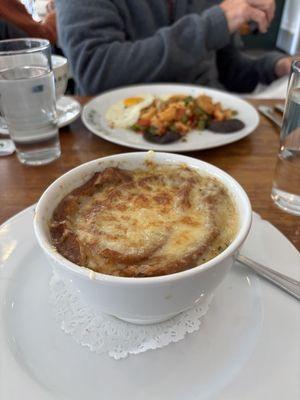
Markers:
<point>103,333</point>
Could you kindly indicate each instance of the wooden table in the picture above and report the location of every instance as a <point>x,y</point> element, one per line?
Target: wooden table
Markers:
<point>250,161</point>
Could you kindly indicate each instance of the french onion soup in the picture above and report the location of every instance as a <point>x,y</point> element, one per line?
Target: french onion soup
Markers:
<point>145,222</point>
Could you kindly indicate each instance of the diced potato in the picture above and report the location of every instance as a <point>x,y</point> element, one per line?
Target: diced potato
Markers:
<point>206,104</point>
<point>148,113</point>
<point>181,127</point>
<point>168,114</point>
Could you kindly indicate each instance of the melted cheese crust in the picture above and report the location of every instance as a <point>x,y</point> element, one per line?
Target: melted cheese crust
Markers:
<point>146,222</point>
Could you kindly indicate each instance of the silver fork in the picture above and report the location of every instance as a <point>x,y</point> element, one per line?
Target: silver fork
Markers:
<point>289,285</point>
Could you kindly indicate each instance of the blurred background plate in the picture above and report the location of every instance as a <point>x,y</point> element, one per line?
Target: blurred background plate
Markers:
<point>93,116</point>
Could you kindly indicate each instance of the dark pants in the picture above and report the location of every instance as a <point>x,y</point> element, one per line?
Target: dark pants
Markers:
<point>9,31</point>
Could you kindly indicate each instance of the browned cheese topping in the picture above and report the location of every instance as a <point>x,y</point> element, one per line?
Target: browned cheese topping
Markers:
<point>146,222</point>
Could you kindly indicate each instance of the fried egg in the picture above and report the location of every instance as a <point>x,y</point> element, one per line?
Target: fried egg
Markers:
<point>125,113</point>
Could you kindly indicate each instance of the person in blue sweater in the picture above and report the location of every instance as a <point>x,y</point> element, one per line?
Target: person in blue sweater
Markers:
<point>112,43</point>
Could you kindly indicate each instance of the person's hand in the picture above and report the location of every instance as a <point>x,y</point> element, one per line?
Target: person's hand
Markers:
<point>283,66</point>
<point>50,6</point>
<point>238,12</point>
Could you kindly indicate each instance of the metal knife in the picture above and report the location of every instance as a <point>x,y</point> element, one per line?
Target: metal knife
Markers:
<point>279,107</point>
<point>270,114</point>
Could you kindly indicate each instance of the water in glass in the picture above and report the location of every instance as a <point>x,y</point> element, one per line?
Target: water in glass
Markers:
<point>28,103</point>
<point>286,184</point>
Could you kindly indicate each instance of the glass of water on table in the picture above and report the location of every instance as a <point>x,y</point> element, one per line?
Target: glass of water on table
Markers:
<point>27,99</point>
<point>286,183</point>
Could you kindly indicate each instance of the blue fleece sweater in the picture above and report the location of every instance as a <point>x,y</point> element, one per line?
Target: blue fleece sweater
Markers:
<point>112,43</point>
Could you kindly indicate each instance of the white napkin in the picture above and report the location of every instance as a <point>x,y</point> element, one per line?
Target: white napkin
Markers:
<point>276,90</point>
<point>7,147</point>
<point>103,333</point>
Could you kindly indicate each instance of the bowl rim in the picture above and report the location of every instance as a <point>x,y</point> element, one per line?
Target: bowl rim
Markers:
<point>90,274</point>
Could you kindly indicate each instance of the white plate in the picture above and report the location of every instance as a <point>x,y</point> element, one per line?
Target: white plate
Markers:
<point>247,348</point>
<point>68,110</point>
<point>93,116</point>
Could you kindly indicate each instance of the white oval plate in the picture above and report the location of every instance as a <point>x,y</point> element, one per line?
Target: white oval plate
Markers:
<point>247,347</point>
<point>93,116</point>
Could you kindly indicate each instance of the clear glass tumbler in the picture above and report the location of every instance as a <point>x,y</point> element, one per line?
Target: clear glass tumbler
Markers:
<point>27,99</point>
<point>286,183</point>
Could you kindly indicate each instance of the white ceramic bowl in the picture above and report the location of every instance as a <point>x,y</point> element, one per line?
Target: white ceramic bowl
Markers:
<point>60,70</point>
<point>140,300</point>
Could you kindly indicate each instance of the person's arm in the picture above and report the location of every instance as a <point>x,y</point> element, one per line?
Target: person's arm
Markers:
<point>14,12</point>
<point>48,27</point>
<point>92,36</point>
<point>240,73</point>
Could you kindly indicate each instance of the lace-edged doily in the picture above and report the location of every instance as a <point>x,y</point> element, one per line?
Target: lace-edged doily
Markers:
<point>103,333</point>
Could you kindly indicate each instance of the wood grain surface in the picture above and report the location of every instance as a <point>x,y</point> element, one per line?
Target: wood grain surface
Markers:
<point>250,161</point>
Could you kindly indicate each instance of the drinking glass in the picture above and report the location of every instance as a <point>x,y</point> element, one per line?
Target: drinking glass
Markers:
<point>27,99</point>
<point>286,183</point>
